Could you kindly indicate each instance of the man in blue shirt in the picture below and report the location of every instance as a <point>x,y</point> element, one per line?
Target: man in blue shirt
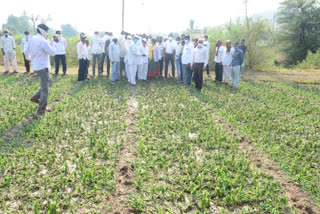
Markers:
<point>244,50</point>
<point>237,60</point>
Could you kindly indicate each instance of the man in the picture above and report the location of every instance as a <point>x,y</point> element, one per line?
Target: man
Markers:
<point>180,57</point>
<point>96,47</point>
<point>200,61</point>
<point>161,49</point>
<point>88,60</point>
<point>8,47</point>
<point>237,60</point>
<point>122,45</point>
<point>177,57</point>
<point>243,48</point>
<point>114,54</point>
<point>220,51</point>
<point>133,60</point>
<point>207,44</point>
<point>38,51</point>
<point>186,60</point>
<point>169,55</point>
<point>60,53</point>
<point>82,50</point>
<point>105,52</point>
<point>144,59</point>
<point>24,43</point>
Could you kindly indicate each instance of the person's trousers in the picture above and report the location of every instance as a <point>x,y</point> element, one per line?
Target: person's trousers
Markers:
<point>96,58</point>
<point>242,69</point>
<point>161,66</point>
<point>198,74</point>
<point>103,58</point>
<point>45,83</point>
<point>26,63</point>
<point>57,59</point>
<point>82,69</point>
<point>122,67</point>
<point>187,73</point>
<point>87,70</point>
<point>169,58</point>
<point>235,76</point>
<point>143,71</point>
<point>132,71</point>
<point>208,69</point>
<point>10,56</point>
<point>178,64</point>
<point>227,70</point>
<point>219,72</point>
<point>115,71</point>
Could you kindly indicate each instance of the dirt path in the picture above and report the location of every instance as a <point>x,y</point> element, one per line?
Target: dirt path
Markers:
<point>297,197</point>
<point>124,168</point>
<point>14,132</point>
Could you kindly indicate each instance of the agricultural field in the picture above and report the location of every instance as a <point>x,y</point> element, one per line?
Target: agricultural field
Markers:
<point>160,147</point>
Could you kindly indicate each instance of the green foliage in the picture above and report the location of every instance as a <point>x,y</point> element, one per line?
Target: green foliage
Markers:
<point>17,24</point>
<point>311,62</point>
<point>69,30</point>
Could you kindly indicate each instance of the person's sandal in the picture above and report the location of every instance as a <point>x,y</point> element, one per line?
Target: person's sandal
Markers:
<point>35,99</point>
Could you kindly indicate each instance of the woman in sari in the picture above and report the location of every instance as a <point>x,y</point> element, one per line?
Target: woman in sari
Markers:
<point>153,67</point>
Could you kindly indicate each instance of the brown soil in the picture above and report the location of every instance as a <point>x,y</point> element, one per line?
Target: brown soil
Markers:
<point>124,175</point>
<point>297,197</point>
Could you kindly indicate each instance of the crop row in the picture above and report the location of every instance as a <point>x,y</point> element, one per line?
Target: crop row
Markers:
<point>68,165</point>
<point>187,163</point>
<point>9,80</point>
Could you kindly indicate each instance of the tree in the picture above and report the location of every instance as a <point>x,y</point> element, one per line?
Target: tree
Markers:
<point>299,22</point>
<point>69,30</point>
<point>17,24</point>
<point>192,28</point>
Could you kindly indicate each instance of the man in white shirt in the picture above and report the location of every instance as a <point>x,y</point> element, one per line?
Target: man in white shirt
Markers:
<point>8,47</point>
<point>144,59</point>
<point>220,51</point>
<point>207,44</point>
<point>122,45</point>
<point>186,59</point>
<point>60,46</point>
<point>169,55</point>
<point>161,50</point>
<point>133,56</point>
<point>96,48</point>
<point>24,43</point>
<point>105,51</point>
<point>177,57</point>
<point>114,55</point>
<point>82,50</point>
<point>200,61</point>
<point>38,51</point>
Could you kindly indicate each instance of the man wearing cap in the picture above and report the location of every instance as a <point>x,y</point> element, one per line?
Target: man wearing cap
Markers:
<point>8,47</point>
<point>169,55</point>
<point>38,51</point>
<point>60,44</point>
<point>133,56</point>
<point>24,43</point>
<point>143,60</point>
<point>82,50</point>
<point>96,47</point>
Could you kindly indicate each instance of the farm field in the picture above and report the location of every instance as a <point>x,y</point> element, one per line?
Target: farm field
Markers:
<point>160,147</point>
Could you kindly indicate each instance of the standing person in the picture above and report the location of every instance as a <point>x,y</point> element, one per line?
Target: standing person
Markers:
<point>218,60</point>
<point>122,45</point>
<point>161,60</point>
<point>154,56</point>
<point>128,43</point>
<point>169,55</point>
<point>227,62</point>
<point>133,60</point>
<point>187,57</point>
<point>114,55</point>
<point>38,51</point>
<point>8,47</point>
<point>88,60</point>
<point>243,48</point>
<point>60,53</point>
<point>207,44</point>
<point>180,57</point>
<point>237,60</point>
<point>82,50</point>
<point>144,54</point>
<point>177,57</point>
<point>96,46</point>
<point>200,61</point>
<point>105,52</point>
<point>24,43</point>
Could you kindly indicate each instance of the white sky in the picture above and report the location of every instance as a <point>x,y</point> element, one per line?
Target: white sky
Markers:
<point>141,16</point>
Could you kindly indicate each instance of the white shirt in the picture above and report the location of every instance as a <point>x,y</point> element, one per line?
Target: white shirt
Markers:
<point>38,51</point>
<point>157,53</point>
<point>122,45</point>
<point>114,52</point>
<point>177,48</point>
<point>186,57</point>
<point>82,50</point>
<point>221,51</point>
<point>133,54</point>
<point>227,57</point>
<point>60,46</point>
<point>143,50</point>
<point>89,52</point>
<point>170,46</point>
<point>24,43</point>
<point>7,43</point>
<point>96,45</point>
<point>207,45</point>
<point>201,55</point>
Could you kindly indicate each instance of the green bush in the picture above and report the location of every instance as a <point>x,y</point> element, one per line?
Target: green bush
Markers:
<point>311,62</point>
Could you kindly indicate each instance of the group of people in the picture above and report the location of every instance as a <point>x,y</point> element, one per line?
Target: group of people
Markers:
<point>132,56</point>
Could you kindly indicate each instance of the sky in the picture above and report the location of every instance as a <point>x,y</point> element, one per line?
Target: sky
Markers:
<point>141,16</point>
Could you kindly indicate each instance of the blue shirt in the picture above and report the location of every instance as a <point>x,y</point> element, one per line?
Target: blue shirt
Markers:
<point>237,57</point>
<point>243,48</point>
